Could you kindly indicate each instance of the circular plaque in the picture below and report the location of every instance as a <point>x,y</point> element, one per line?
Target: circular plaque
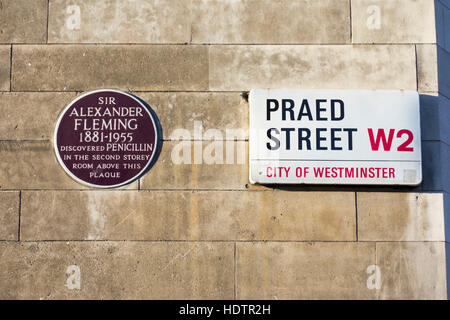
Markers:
<point>106,138</point>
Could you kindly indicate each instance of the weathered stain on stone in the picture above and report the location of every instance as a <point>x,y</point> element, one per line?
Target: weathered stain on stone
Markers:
<point>427,71</point>
<point>304,270</point>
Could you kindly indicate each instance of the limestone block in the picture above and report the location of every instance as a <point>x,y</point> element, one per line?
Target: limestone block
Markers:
<point>412,270</point>
<point>188,215</point>
<point>5,61</point>
<point>9,215</point>
<point>334,270</point>
<point>119,21</point>
<point>87,67</point>
<point>400,217</point>
<point>393,21</point>
<point>427,68</point>
<point>23,21</point>
<point>200,165</point>
<point>197,112</point>
<point>312,67</point>
<point>116,270</point>
<point>272,22</point>
<point>33,165</point>
<point>31,115</point>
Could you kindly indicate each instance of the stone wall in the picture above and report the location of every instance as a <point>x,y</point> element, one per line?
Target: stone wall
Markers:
<point>200,230</point>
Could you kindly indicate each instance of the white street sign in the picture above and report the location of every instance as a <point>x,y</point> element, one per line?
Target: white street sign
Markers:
<point>335,137</point>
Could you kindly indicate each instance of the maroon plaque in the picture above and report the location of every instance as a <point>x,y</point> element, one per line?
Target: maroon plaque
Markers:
<point>106,138</point>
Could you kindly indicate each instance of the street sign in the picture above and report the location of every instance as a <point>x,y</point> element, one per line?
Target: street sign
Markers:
<point>335,137</point>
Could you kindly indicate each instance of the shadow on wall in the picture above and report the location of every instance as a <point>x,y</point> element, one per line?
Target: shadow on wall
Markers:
<point>442,145</point>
